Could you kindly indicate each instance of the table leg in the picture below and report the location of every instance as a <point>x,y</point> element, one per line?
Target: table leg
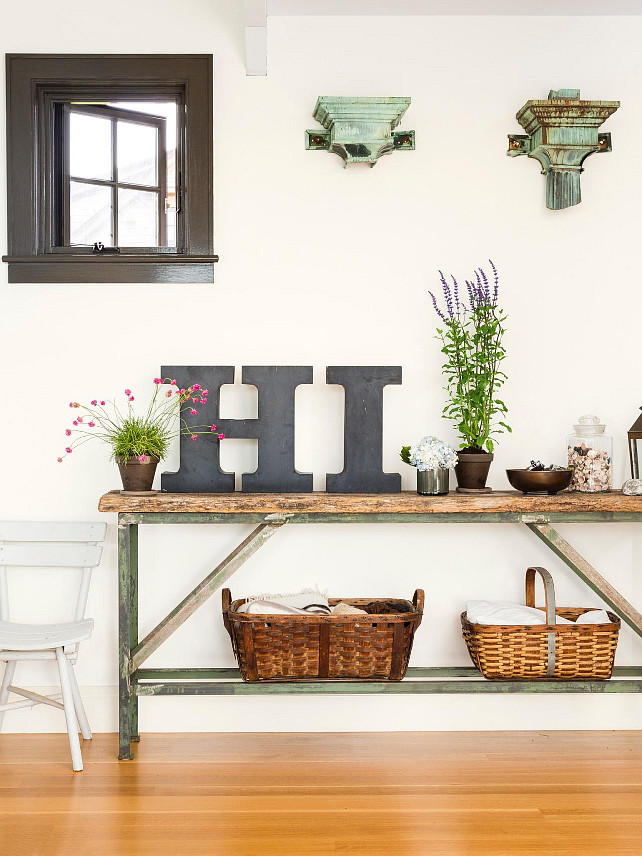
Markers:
<point>133,622</point>
<point>586,572</point>
<point>124,645</point>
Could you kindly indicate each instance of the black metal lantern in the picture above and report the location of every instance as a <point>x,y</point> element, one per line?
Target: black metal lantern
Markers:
<point>634,435</point>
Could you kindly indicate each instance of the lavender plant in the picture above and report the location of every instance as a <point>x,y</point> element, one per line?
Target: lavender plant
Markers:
<point>471,338</point>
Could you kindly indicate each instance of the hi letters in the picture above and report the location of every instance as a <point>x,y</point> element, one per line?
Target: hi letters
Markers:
<point>200,470</point>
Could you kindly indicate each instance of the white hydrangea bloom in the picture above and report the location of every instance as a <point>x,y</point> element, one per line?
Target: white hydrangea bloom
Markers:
<point>430,453</point>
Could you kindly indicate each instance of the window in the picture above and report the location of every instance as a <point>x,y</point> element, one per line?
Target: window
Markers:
<point>117,175</point>
<point>109,168</point>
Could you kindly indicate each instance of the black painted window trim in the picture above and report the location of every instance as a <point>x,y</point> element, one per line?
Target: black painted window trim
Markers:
<point>34,83</point>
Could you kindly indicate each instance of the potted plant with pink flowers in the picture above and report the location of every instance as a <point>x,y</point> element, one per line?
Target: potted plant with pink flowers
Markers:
<point>139,442</point>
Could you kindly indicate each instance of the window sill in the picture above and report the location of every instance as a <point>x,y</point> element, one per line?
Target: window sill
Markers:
<point>83,268</point>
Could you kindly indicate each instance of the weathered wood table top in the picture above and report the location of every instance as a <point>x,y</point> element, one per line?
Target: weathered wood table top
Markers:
<point>407,502</point>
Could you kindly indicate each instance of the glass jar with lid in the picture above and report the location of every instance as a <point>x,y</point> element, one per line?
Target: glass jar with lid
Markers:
<point>590,455</point>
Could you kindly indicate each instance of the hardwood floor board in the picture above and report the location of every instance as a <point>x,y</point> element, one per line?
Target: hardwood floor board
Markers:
<point>273,804</point>
<point>247,749</point>
<point>440,794</point>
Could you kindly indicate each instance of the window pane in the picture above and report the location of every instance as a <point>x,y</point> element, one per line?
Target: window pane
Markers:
<point>89,146</point>
<point>137,153</point>
<point>90,215</point>
<point>137,218</point>
<point>167,110</point>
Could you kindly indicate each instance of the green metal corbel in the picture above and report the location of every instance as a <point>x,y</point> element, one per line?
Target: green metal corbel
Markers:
<point>360,130</point>
<point>561,132</point>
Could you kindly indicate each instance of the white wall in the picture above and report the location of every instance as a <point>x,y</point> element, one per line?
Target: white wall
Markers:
<point>325,266</point>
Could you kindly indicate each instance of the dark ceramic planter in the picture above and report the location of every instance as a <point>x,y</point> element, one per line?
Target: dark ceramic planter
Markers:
<point>137,476</point>
<point>472,470</point>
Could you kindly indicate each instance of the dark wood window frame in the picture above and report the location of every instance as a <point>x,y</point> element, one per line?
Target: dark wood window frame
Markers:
<point>38,82</point>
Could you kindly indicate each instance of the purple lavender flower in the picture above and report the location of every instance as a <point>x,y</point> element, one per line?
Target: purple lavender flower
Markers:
<point>496,278</point>
<point>456,294</point>
<point>447,296</point>
<point>486,286</point>
<point>471,294</point>
<point>479,294</point>
<point>479,291</point>
<point>437,309</point>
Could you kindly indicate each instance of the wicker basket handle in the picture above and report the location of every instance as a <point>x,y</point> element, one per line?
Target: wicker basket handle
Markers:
<point>226,601</point>
<point>549,594</point>
<point>418,603</point>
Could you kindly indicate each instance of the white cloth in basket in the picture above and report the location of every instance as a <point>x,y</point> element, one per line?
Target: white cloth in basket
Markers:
<point>490,612</point>
<point>304,602</point>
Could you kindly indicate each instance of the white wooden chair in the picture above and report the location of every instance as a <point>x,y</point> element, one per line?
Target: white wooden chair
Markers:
<point>48,545</point>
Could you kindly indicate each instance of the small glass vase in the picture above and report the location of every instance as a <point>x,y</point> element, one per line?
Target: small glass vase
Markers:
<point>590,456</point>
<point>433,482</point>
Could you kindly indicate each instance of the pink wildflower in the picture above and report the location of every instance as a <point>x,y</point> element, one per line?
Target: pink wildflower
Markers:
<point>79,419</point>
<point>168,394</point>
<point>194,437</point>
<point>94,403</point>
<point>206,392</point>
<point>182,391</point>
<point>221,436</point>
<point>68,432</point>
<point>213,428</point>
<point>128,392</point>
<point>68,450</point>
<point>91,424</point>
<point>142,459</point>
<point>71,404</point>
<point>102,403</point>
<point>193,412</point>
<point>174,383</point>
<point>196,386</point>
<point>158,380</point>
<point>203,401</point>
<point>75,422</point>
<point>59,460</point>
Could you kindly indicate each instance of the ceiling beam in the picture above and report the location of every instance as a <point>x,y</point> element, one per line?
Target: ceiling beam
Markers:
<point>256,14</point>
<point>255,38</point>
<point>454,7</point>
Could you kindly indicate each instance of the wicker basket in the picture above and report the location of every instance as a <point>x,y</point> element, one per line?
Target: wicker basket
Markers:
<point>317,647</point>
<point>544,651</point>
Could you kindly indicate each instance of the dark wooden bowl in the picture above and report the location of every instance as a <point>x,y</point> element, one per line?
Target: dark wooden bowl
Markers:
<point>540,481</point>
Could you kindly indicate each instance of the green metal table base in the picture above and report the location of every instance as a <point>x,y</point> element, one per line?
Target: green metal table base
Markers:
<point>135,681</point>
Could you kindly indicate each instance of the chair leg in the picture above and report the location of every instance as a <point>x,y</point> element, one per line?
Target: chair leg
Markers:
<point>70,711</point>
<point>80,708</point>
<point>7,680</point>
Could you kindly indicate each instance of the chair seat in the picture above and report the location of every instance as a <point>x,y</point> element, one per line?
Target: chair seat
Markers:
<point>36,637</point>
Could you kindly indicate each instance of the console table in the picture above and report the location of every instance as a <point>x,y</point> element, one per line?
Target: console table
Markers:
<point>272,512</point>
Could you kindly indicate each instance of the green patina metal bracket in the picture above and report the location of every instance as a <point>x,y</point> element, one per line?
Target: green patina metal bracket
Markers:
<point>561,132</point>
<point>360,130</point>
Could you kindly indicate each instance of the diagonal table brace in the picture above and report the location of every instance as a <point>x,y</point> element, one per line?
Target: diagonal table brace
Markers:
<point>588,574</point>
<point>205,589</point>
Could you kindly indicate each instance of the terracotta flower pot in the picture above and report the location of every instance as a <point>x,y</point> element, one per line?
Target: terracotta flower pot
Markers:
<point>137,475</point>
<point>472,470</point>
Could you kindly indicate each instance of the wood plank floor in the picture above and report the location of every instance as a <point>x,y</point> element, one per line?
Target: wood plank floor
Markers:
<point>403,794</point>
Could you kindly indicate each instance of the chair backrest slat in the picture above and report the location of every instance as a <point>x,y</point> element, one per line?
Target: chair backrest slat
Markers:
<point>50,544</point>
<point>24,530</point>
<point>48,555</point>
